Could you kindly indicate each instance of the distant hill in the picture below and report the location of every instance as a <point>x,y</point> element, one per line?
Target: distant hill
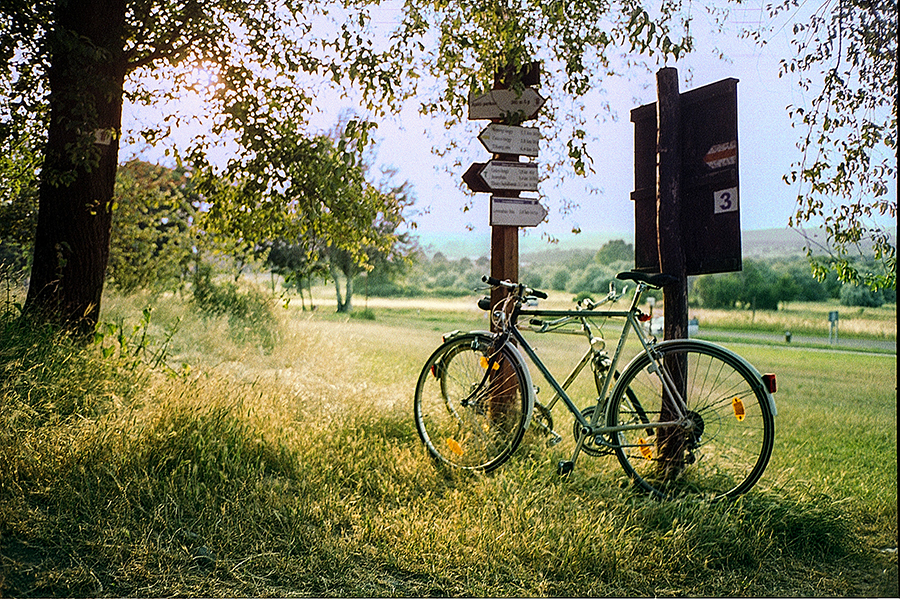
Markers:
<point>778,243</point>
<point>455,246</point>
<point>758,244</point>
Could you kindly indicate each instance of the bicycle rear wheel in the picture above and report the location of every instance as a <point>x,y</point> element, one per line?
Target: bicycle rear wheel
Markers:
<point>726,444</point>
<point>472,403</point>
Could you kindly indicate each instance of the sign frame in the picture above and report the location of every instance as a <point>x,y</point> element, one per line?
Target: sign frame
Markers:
<point>711,236</point>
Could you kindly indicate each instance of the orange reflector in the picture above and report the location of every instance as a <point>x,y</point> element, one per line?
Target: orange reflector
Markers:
<point>454,446</point>
<point>484,363</point>
<point>646,448</point>
<point>770,382</point>
<point>738,406</point>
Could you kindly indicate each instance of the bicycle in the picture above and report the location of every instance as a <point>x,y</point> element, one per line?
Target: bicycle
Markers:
<point>684,415</point>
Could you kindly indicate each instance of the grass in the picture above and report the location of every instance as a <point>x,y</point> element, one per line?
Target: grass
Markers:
<point>295,470</point>
<point>807,317</point>
<point>810,318</point>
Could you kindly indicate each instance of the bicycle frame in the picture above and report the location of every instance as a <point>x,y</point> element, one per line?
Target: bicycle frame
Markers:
<point>591,428</point>
<point>593,353</point>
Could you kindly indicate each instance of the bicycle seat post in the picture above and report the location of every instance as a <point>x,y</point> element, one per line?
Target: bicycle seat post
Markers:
<point>638,294</point>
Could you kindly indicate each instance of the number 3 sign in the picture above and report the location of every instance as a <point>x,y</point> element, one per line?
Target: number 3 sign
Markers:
<point>726,200</point>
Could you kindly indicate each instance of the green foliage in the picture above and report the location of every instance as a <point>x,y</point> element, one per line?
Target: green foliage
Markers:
<point>311,193</point>
<point>846,55</point>
<point>758,287</point>
<point>856,295</point>
<point>19,168</point>
<point>249,312</point>
<point>765,285</point>
<point>152,237</point>
<point>615,251</point>
<point>295,262</point>
<point>465,44</point>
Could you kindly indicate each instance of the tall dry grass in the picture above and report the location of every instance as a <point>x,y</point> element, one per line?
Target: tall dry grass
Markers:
<point>295,470</point>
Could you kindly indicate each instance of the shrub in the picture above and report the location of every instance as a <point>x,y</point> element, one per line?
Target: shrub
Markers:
<point>249,312</point>
<point>852,295</point>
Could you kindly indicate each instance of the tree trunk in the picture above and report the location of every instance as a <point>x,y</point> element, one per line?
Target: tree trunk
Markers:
<point>337,288</point>
<point>86,76</point>
<point>348,293</point>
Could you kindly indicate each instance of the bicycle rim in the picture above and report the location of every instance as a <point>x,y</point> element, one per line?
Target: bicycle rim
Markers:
<point>726,447</point>
<point>471,404</point>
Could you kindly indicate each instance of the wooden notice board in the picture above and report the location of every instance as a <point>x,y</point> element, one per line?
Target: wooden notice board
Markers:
<point>710,199</point>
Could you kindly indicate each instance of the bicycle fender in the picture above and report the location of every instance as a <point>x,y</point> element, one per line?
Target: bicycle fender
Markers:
<point>528,384</point>
<point>517,355</point>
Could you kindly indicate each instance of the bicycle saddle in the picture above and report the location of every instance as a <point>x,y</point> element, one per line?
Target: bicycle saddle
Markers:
<point>657,280</point>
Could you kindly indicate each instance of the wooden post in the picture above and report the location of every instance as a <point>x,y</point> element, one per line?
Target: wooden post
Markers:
<point>668,211</point>
<point>670,443</point>
<point>505,261</point>
<point>505,238</point>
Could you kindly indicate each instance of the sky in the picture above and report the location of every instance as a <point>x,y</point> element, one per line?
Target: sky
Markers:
<point>767,149</point>
<point>766,146</point>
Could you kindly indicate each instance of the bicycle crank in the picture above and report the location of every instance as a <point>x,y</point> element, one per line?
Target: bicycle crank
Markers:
<point>591,446</point>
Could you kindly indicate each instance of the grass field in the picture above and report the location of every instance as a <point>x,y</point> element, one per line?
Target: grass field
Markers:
<point>297,471</point>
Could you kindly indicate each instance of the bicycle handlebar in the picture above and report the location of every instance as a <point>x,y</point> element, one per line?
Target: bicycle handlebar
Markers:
<point>519,288</point>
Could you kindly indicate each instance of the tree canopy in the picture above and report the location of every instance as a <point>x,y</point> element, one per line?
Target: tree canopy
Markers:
<point>846,59</point>
<point>69,67</point>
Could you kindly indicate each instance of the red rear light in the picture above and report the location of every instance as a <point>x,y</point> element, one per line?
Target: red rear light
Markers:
<point>770,382</point>
<point>644,317</point>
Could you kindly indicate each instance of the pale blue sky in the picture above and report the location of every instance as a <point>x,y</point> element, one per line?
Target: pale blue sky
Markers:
<point>766,146</point>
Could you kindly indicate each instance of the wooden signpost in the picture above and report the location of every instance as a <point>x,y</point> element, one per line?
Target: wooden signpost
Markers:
<point>687,213</point>
<point>505,176</point>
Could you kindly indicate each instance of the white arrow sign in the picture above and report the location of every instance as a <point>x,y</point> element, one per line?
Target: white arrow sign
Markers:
<point>506,139</point>
<point>516,212</point>
<point>499,174</point>
<point>498,103</point>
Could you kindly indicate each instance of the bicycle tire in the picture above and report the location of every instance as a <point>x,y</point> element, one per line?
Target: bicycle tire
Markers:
<point>467,417</point>
<point>726,449</point>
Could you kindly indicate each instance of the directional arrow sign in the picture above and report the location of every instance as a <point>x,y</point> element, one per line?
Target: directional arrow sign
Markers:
<point>498,103</point>
<point>473,179</point>
<point>506,139</point>
<point>516,212</point>
<point>521,176</point>
<point>502,175</point>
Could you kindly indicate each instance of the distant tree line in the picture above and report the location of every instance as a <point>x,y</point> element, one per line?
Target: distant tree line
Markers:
<point>761,284</point>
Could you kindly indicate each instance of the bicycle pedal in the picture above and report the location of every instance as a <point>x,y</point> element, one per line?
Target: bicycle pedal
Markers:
<point>554,439</point>
<point>565,467</point>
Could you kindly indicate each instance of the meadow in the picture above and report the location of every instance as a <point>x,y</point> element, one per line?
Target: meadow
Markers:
<point>177,455</point>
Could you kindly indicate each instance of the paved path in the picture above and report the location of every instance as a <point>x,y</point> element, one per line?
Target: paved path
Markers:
<point>776,339</point>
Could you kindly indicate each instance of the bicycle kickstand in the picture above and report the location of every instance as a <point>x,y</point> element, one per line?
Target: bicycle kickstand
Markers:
<point>565,467</point>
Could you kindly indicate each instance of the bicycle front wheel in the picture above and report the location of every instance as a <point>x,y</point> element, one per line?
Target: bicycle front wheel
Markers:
<point>472,403</point>
<point>725,443</point>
